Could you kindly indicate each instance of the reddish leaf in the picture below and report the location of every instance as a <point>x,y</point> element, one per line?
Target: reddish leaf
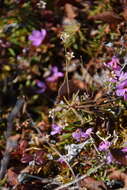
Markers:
<point>12,177</point>
<point>26,158</point>
<point>22,146</point>
<point>39,157</point>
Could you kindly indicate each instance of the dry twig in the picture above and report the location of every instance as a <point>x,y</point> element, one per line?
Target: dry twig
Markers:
<point>15,111</point>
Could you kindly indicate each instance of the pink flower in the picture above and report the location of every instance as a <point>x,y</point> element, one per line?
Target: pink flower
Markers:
<point>62,159</point>
<point>88,131</point>
<point>55,75</point>
<point>41,85</point>
<point>109,158</point>
<point>56,129</point>
<point>79,134</point>
<point>124,149</point>
<point>104,145</point>
<point>121,89</point>
<point>37,37</point>
<point>114,64</point>
<point>122,76</point>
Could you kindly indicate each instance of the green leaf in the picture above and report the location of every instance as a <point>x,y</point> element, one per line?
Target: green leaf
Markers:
<point>11,51</point>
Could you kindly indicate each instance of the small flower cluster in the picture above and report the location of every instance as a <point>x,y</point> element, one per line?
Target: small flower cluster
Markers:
<point>119,77</point>
<point>78,135</point>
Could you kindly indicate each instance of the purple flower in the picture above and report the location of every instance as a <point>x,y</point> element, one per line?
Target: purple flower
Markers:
<point>124,149</point>
<point>37,37</point>
<point>88,132</point>
<point>121,89</point>
<point>122,76</point>
<point>41,85</point>
<point>79,134</point>
<point>114,64</point>
<point>104,145</point>
<point>121,85</point>
<point>109,158</point>
<point>55,75</point>
<point>62,159</point>
<point>56,129</point>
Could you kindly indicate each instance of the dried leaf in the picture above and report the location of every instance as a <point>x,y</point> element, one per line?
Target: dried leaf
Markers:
<point>74,85</point>
<point>12,177</point>
<point>92,184</point>
<point>12,142</point>
<point>125,13</point>
<point>118,175</point>
<point>75,3</point>
<point>69,10</point>
<point>123,2</point>
<point>107,17</point>
<point>119,156</point>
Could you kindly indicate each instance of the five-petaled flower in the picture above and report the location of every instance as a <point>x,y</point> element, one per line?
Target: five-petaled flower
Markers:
<point>37,37</point>
<point>104,145</point>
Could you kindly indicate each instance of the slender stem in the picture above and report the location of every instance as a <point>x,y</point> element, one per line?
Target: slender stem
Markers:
<point>66,74</point>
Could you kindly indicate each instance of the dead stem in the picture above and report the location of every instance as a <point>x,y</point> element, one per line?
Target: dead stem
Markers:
<point>15,111</point>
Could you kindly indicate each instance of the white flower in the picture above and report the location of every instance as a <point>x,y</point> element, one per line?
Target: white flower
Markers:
<point>64,36</point>
<point>70,55</point>
<point>41,4</point>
